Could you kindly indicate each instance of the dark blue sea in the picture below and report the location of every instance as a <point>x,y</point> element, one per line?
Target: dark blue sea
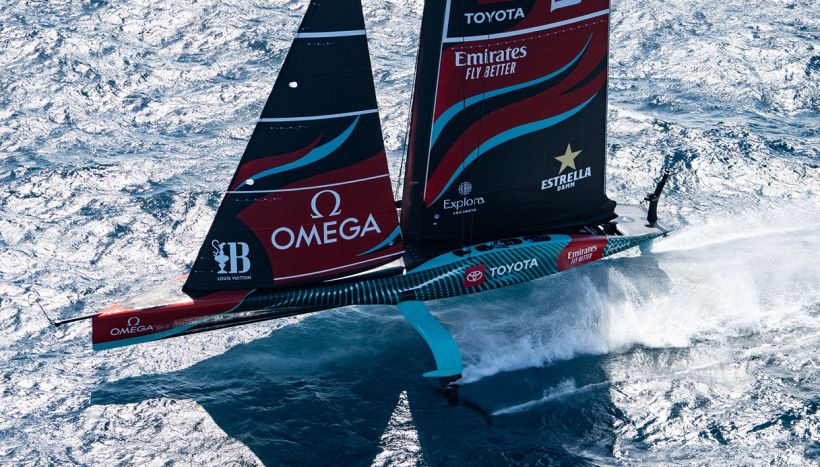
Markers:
<point>121,122</point>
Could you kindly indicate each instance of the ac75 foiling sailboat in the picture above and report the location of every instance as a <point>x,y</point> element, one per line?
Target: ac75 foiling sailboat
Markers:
<point>505,177</point>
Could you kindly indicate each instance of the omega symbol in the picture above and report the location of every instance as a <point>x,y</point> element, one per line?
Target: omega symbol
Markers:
<point>336,208</point>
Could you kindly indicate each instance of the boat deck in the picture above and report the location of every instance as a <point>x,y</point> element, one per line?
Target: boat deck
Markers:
<point>631,221</point>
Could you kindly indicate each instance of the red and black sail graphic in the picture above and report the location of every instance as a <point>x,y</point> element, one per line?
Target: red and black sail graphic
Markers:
<point>509,120</point>
<point>311,198</point>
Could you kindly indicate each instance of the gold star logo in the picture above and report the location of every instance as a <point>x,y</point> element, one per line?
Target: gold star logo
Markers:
<point>567,159</point>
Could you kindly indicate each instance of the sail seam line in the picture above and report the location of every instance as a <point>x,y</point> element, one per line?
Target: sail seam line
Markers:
<point>315,35</point>
<point>283,190</point>
<point>313,273</point>
<point>544,27</point>
<point>317,117</point>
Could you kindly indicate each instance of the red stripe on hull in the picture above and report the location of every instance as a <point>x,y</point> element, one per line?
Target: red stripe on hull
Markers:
<point>128,320</point>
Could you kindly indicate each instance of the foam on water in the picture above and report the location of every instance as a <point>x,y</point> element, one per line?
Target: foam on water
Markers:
<point>716,279</point>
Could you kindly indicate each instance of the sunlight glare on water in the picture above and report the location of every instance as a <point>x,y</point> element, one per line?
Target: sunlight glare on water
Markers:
<point>121,123</point>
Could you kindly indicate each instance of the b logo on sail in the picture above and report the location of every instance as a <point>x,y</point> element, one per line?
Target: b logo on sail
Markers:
<point>329,231</point>
<point>236,258</point>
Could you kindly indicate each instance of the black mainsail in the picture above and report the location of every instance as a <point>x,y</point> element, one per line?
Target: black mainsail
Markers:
<point>508,130</point>
<point>311,198</point>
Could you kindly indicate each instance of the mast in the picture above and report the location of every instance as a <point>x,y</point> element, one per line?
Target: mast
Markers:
<point>509,120</point>
<point>311,198</point>
<point>421,122</point>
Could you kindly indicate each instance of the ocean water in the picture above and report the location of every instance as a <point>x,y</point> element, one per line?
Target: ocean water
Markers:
<point>121,122</point>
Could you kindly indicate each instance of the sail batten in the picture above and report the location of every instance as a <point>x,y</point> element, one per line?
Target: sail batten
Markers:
<point>315,187</point>
<point>544,27</point>
<point>311,199</point>
<point>318,117</point>
<point>379,259</point>
<point>319,35</point>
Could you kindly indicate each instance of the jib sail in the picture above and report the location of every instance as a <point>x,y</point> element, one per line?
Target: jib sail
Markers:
<point>508,129</point>
<point>311,198</point>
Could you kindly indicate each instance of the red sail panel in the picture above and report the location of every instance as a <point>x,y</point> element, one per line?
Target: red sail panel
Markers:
<point>327,225</point>
<point>518,131</point>
<point>311,199</point>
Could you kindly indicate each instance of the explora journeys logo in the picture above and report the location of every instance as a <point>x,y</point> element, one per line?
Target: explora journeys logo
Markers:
<point>236,258</point>
<point>464,205</point>
<point>327,231</point>
<point>134,327</point>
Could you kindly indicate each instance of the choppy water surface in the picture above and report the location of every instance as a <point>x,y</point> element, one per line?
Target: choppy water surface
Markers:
<point>121,121</point>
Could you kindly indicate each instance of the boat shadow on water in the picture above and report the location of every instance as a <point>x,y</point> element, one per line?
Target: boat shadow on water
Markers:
<point>327,390</point>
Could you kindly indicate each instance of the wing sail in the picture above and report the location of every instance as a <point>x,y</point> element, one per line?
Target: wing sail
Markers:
<point>509,123</point>
<point>311,198</point>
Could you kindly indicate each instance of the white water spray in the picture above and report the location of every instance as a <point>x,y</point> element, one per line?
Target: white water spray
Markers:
<point>754,273</point>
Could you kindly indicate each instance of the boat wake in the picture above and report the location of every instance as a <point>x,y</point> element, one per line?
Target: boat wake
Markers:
<point>713,281</point>
<point>756,226</point>
<point>565,388</point>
